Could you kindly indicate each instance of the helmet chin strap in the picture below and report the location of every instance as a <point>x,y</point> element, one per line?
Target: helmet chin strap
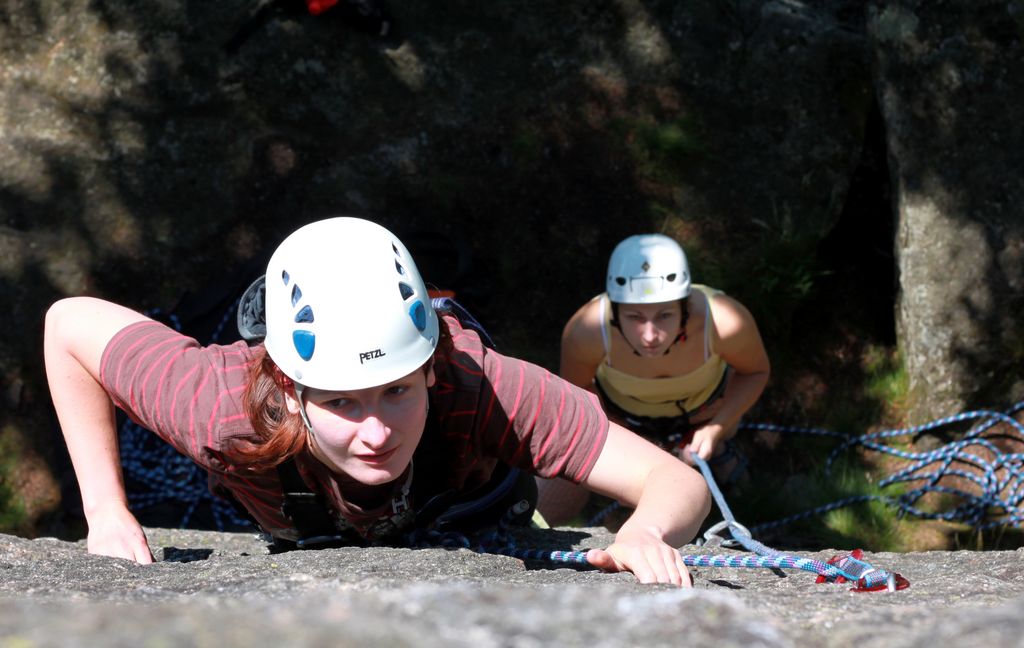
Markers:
<point>302,406</point>
<point>311,441</point>
<point>679,339</point>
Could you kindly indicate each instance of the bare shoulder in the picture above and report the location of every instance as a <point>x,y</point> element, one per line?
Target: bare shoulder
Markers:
<point>91,316</point>
<point>584,327</point>
<point>731,318</point>
<point>582,344</point>
<point>736,337</point>
<point>83,326</point>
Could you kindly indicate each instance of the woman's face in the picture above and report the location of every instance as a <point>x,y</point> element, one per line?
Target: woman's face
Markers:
<point>368,434</point>
<point>651,328</point>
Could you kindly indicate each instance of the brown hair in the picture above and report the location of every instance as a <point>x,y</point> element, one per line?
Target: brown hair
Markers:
<point>277,434</point>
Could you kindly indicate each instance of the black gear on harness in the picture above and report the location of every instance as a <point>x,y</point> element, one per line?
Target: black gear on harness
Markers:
<point>660,430</point>
<point>318,528</point>
<point>251,316</point>
<point>449,510</point>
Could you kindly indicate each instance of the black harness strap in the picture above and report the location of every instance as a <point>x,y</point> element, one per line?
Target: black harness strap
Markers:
<point>659,430</point>
<point>306,509</point>
<point>664,431</point>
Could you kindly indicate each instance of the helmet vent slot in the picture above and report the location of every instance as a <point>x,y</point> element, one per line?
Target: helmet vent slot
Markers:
<point>398,266</point>
<point>296,294</point>
<point>304,316</point>
<point>406,290</point>
<point>671,278</point>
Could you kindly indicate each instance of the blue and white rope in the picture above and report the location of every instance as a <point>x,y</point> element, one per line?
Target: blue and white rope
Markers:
<point>768,557</point>
<point>501,542</point>
<point>999,477</point>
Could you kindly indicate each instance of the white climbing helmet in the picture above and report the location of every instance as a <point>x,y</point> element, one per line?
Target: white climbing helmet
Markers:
<point>346,307</point>
<point>647,269</point>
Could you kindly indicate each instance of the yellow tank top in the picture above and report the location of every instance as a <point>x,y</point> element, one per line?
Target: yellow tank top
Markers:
<point>661,396</point>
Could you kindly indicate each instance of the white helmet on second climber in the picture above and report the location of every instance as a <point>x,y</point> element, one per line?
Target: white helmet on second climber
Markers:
<point>648,269</point>
<point>346,307</point>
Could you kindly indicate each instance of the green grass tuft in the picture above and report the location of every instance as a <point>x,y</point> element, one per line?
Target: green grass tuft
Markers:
<point>771,497</point>
<point>661,150</point>
<point>885,376</point>
<point>13,517</point>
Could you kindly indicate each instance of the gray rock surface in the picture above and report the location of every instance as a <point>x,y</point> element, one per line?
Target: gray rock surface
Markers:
<point>216,589</point>
<point>946,72</point>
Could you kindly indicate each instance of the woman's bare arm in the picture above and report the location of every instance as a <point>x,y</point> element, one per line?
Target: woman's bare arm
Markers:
<point>738,341</point>
<point>670,501</point>
<point>582,348</point>
<point>77,331</point>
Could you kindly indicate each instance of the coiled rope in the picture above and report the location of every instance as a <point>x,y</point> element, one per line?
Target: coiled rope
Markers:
<point>998,477</point>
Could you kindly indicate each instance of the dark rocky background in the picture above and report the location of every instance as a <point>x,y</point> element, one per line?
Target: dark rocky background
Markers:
<point>850,170</point>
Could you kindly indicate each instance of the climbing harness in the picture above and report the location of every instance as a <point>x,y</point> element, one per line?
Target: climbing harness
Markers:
<point>670,433</point>
<point>318,528</point>
<point>444,516</point>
